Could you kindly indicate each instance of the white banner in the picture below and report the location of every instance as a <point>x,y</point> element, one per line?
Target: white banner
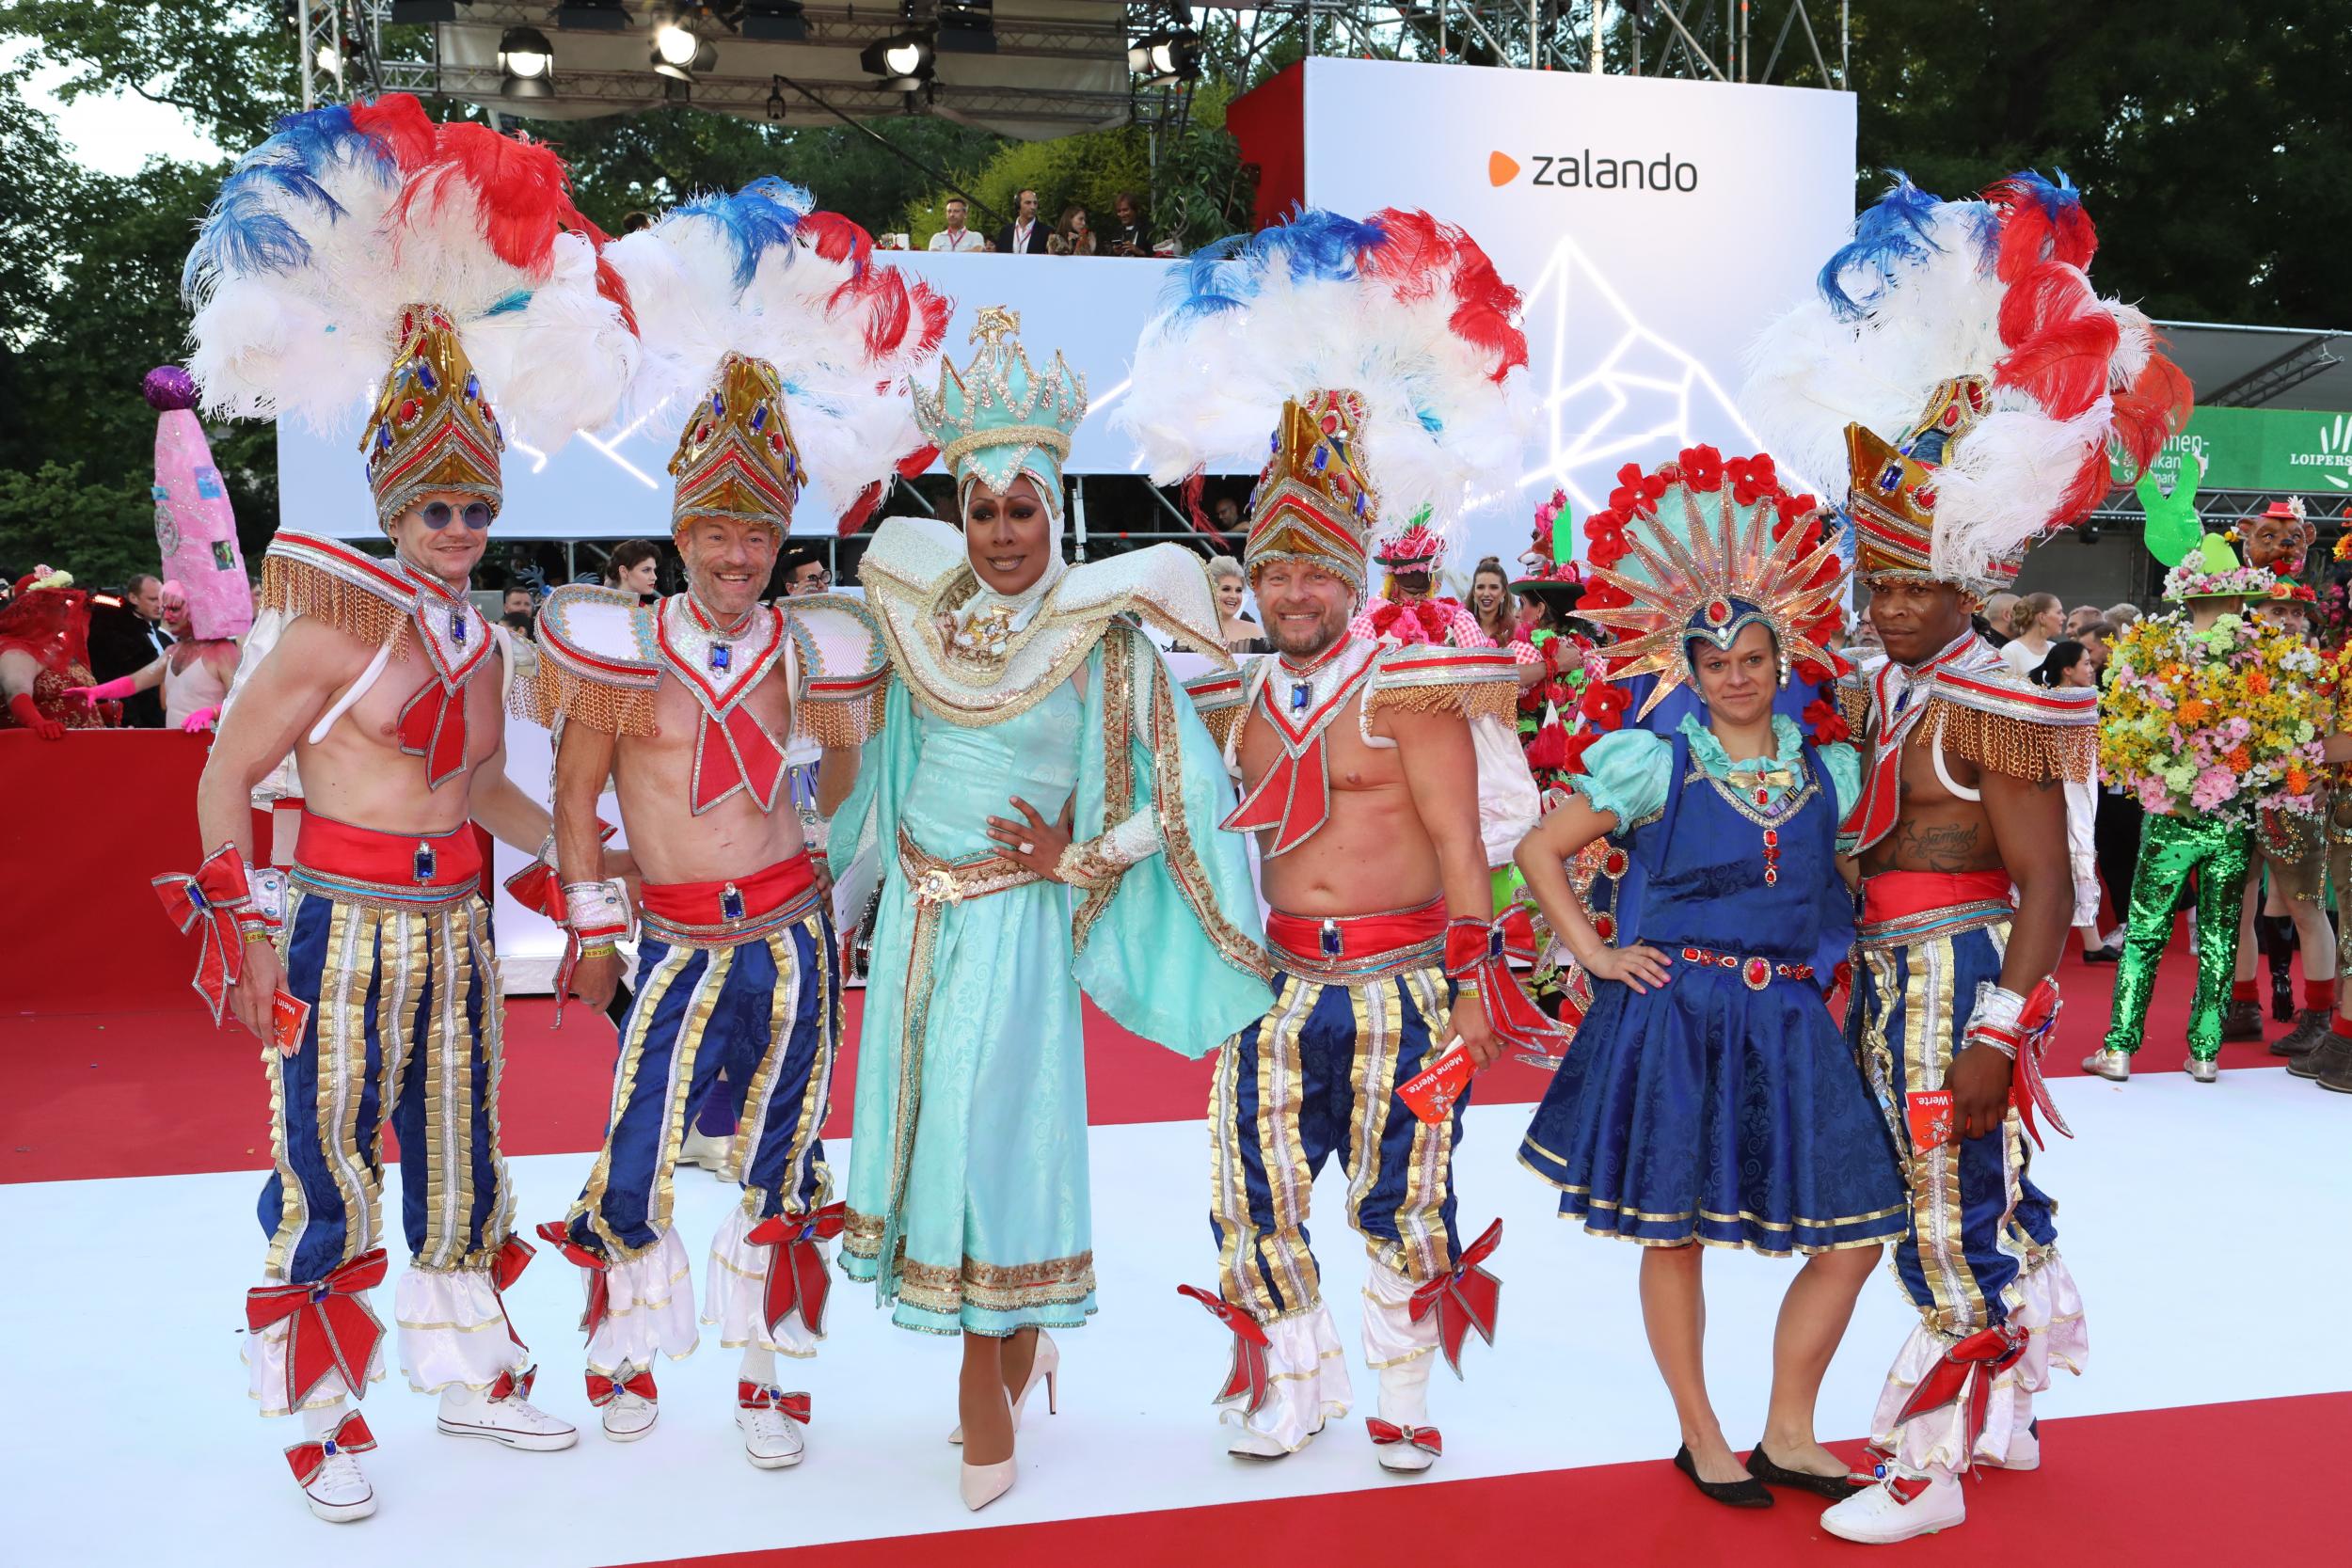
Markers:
<point>1653,225</point>
<point>614,483</point>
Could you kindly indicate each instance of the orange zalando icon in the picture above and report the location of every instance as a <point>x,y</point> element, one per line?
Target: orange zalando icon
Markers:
<point>1502,169</point>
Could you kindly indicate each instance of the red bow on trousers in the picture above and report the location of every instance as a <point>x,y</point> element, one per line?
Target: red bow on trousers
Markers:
<point>1965,1377</point>
<point>329,1327</point>
<point>1464,1299</point>
<point>350,1436</point>
<point>2028,1089</point>
<point>1385,1434</point>
<point>796,1278</point>
<point>1249,1377</point>
<point>1483,954</point>
<point>754,1395</point>
<point>600,1288</point>
<point>211,899</point>
<point>512,1257</point>
<point>511,1383</point>
<point>604,1390</point>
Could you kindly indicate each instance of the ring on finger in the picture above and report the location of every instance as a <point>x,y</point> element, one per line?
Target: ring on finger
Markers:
<point>1027,848</point>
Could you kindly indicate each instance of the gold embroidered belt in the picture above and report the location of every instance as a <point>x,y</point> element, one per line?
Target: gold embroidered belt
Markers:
<point>946,881</point>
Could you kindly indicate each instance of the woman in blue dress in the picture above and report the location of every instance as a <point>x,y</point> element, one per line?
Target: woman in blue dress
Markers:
<point>1710,1098</point>
<point>1044,802</point>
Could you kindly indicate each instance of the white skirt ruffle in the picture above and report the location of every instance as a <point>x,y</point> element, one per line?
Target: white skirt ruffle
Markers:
<point>1308,1383</point>
<point>735,1294</point>
<point>452,1330</point>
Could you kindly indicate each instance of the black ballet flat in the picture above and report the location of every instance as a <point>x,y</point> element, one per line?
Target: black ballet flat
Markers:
<point>1835,1488</point>
<point>1733,1494</point>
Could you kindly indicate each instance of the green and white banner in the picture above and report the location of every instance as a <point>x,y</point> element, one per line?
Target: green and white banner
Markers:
<point>2286,450</point>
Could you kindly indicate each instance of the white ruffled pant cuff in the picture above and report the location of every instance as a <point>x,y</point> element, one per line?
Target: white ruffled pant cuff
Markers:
<point>650,1310</point>
<point>1399,1352</point>
<point>265,1353</point>
<point>2047,1306</point>
<point>452,1330</point>
<point>735,1293</point>
<point>1306,1381</point>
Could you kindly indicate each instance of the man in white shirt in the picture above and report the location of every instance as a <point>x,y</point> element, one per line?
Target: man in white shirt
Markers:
<point>1025,235</point>
<point>956,236</point>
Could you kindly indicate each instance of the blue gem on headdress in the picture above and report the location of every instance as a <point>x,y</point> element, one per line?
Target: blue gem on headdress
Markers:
<point>791,464</point>
<point>1322,457</point>
<point>1892,477</point>
<point>383,438</point>
<point>474,387</point>
<point>1274,442</point>
<point>721,657</point>
<point>1360,500</point>
<point>731,902</point>
<point>424,375</point>
<point>718,405</point>
<point>759,417</point>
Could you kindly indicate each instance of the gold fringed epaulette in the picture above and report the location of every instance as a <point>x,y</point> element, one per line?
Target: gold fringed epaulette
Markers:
<point>2011,744</point>
<point>331,582</point>
<point>1222,700</point>
<point>598,661</point>
<point>1854,704</point>
<point>845,670</point>
<point>1473,682</point>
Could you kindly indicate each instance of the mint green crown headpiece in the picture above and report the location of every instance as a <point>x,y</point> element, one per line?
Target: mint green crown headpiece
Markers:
<point>998,417</point>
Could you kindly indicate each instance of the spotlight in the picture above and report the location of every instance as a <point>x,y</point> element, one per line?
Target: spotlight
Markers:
<point>329,57</point>
<point>675,44</point>
<point>528,59</point>
<point>903,60</point>
<point>1174,55</point>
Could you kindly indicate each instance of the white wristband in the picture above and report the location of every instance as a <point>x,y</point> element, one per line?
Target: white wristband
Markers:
<point>1996,1009</point>
<point>596,909</point>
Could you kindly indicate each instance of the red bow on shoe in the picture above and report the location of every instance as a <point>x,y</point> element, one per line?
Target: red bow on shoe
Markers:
<point>1464,1299</point>
<point>1385,1434</point>
<point>211,899</point>
<point>604,1390</point>
<point>599,1296</point>
<point>755,1396</point>
<point>512,1384</point>
<point>796,1269</point>
<point>1251,1377</point>
<point>329,1329</point>
<point>350,1436</point>
<point>1965,1377</point>
<point>506,1266</point>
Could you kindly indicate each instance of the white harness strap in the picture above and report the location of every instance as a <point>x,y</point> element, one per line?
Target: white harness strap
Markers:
<point>350,699</point>
<point>1935,753</point>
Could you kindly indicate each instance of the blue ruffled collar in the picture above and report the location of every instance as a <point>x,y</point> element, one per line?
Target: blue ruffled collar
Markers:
<point>1710,754</point>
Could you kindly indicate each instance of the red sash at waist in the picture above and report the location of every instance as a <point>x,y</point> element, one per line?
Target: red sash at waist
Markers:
<point>397,861</point>
<point>1894,894</point>
<point>1325,938</point>
<point>744,898</point>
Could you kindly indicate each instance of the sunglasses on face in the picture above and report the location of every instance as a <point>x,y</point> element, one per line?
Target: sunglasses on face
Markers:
<point>436,515</point>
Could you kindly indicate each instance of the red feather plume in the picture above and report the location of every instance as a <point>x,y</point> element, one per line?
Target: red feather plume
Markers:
<point>2153,409</point>
<point>1417,252</point>
<point>401,121</point>
<point>2062,340</point>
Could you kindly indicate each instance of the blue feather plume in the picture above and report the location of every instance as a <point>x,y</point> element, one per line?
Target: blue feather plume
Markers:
<point>2052,197</point>
<point>759,218</point>
<point>1894,230</point>
<point>245,231</point>
<point>1225,275</point>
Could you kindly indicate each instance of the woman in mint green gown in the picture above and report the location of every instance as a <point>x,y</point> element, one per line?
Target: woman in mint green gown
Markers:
<point>1044,802</point>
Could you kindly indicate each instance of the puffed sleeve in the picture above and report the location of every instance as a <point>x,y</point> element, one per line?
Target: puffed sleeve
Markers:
<point>1625,775</point>
<point>1845,775</point>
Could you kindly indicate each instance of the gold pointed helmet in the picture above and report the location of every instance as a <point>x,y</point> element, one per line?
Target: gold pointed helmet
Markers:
<point>1313,502</point>
<point>432,428</point>
<point>737,457</point>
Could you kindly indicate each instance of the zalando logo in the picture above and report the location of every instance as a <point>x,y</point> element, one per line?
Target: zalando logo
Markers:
<point>1583,171</point>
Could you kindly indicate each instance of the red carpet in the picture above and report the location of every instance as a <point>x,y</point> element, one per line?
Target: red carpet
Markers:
<point>2108,1493</point>
<point>175,1096</point>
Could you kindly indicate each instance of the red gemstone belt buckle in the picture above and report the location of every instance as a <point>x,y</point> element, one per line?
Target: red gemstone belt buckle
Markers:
<point>1756,974</point>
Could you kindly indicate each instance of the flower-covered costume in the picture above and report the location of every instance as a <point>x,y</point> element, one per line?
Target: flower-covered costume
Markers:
<point>789,349</point>
<point>367,254</point>
<point>1957,362</point>
<point>1418,338</point>
<point>967,1196</point>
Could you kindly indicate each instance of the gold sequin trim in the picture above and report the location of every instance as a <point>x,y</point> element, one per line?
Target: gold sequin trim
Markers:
<point>2012,746</point>
<point>299,588</point>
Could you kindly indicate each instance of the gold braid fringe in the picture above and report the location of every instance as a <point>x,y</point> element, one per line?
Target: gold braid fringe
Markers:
<point>569,695</point>
<point>1221,722</point>
<point>1494,699</point>
<point>849,721</point>
<point>2014,748</point>
<point>298,589</point>
<point>1854,704</point>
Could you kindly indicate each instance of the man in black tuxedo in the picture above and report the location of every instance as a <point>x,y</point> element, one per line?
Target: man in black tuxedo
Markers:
<point>1024,235</point>
<point>125,637</point>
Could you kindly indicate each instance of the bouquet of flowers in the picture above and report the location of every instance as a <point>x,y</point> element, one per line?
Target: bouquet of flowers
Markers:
<point>2227,719</point>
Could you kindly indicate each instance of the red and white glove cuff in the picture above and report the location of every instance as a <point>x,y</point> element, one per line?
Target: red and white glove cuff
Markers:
<point>598,912</point>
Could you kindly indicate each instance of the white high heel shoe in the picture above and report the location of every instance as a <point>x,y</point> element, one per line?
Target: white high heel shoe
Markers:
<point>982,1484</point>
<point>1046,1367</point>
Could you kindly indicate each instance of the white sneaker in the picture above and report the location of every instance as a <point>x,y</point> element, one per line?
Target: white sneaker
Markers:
<point>2205,1070</point>
<point>772,1439</point>
<point>1256,1445</point>
<point>2025,1450</point>
<point>1900,1507</point>
<point>628,1402</point>
<point>503,1414</point>
<point>335,1488</point>
<point>700,1149</point>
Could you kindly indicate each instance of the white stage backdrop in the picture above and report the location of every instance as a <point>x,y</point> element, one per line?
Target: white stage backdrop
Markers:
<point>1653,225</point>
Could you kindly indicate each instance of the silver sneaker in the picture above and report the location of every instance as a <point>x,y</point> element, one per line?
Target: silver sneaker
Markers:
<point>2110,1064</point>
<point>2204,1070</point>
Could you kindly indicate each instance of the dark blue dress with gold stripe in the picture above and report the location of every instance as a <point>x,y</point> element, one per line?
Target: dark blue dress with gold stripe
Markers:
<point>1725,1107</point>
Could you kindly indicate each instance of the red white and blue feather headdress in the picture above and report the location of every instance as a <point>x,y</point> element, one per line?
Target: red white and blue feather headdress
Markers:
<point>1385,352</point>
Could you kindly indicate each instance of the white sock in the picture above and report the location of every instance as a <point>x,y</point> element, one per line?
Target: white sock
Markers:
<point>457,1396</point>
<point>319,1422</point>
<point>759,1366</point>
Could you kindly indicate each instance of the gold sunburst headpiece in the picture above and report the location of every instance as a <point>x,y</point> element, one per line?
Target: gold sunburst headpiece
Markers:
<point>1703,547</point>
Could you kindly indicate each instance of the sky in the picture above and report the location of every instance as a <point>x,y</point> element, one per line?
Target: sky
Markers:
<point>114,134</point>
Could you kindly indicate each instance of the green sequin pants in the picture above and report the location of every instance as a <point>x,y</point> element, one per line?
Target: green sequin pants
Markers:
<point>2217,850</point>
